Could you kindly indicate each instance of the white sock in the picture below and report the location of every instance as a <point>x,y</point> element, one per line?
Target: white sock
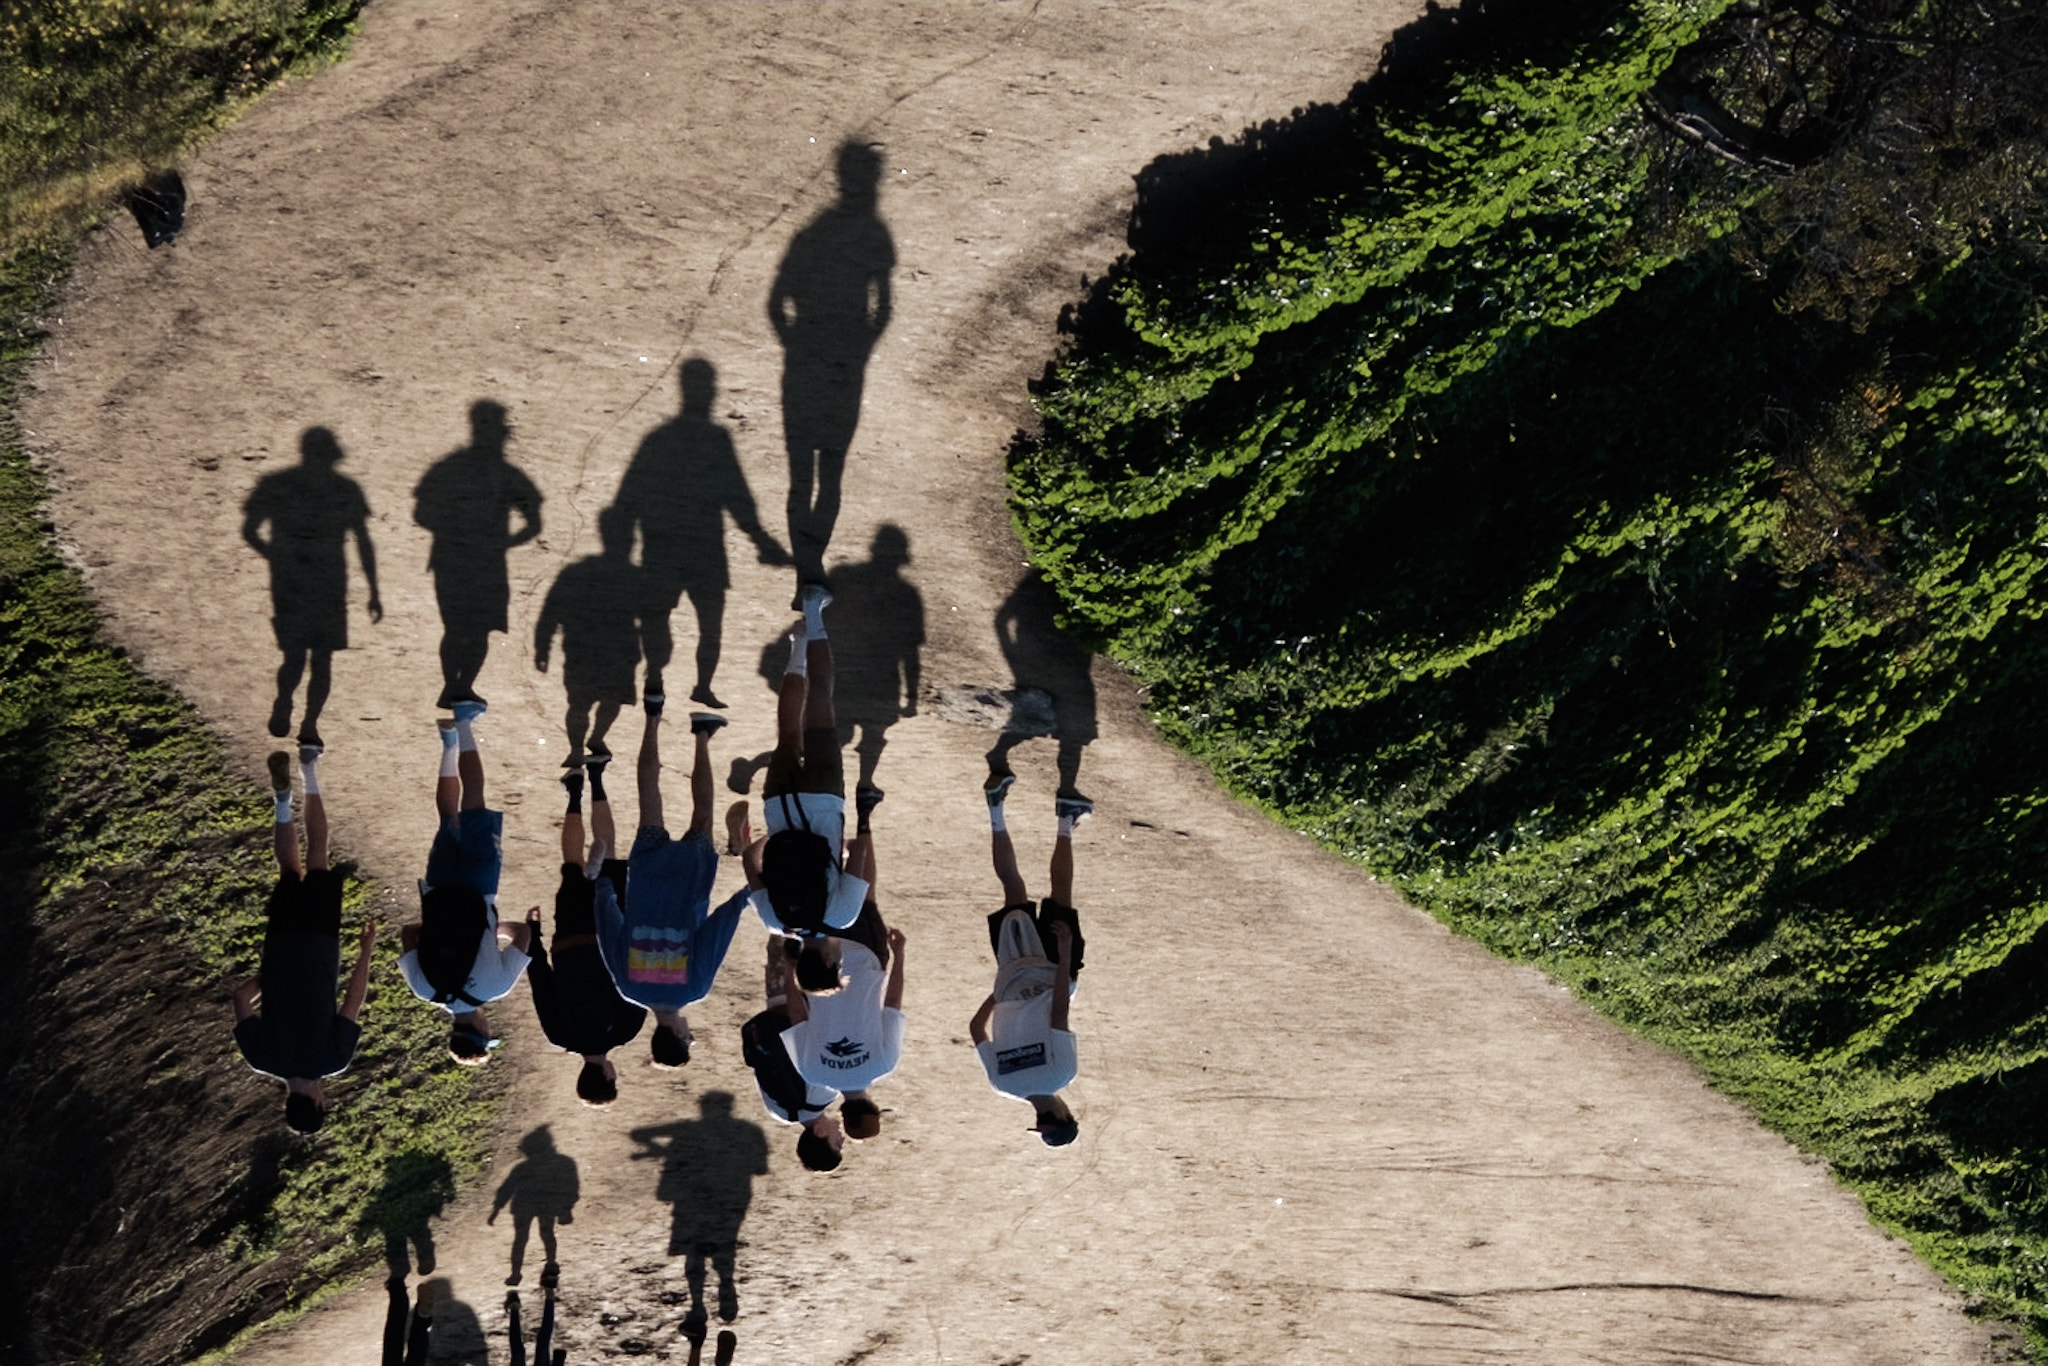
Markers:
<point>799,656</point>
<point>281,804</point>
<point>451,761</point>
<point>465,737</point>
<point>311,775</point>
<point>996,824</point>
<point>814,619</point>
<point>1066,830</point>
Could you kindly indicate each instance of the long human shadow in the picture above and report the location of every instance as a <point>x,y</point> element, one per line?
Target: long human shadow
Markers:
<point>596,606</point>
<point>684,480</point>
<point>1054,685</point>
<point>417,1186</point>
<point>829,305</point>
<point>878,627</point>
<point>707,1175</point>
<point>465,501</point>
<point>542,1189</point>
<point>310,511</point>
<point>456,1336</point>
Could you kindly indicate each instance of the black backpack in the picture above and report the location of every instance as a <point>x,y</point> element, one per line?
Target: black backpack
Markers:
<point>452,925</point>
<point>761,1048</point>
<point>793,868</point>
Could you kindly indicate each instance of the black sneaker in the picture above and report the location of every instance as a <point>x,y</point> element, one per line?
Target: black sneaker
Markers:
<point>866,798</point>
<point>652,702</point>
<point>1080,808</point>
<point>706,723</point>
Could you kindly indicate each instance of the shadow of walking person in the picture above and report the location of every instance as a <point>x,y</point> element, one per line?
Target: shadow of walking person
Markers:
<point>682,482</point>
<point>465,501</point>
<point>829,305</point>
<point>542,1189</point>
<point>596,604</point>
<point>1045,661</point>
<point>311,510</point>
<point>417,1186</point>
<point>457,1336</point>
<point>707,1175</point>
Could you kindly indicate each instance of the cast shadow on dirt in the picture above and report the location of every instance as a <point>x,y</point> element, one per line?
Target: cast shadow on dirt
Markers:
<point>707,1175</point>
<point>466,501</point>
<point>310,510</point>
<point>541,1190</point>
<point>1053,688</point>
<point>877,623</point>
<point>829,305</point>
<point>440,1328</point>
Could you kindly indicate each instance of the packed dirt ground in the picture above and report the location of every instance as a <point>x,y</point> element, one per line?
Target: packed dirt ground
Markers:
<point>1315,1126</point>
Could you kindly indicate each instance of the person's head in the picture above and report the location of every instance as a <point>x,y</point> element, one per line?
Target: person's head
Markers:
<point>319,446</point>
<point>700,385</point>
<point>303,1112</point>
<point>890,546</point>
<point>793,870</point>
<point>597,1085</point>
<point>452,925</point>
<point>488,425</point>
<point>817,1147</point>
<point>1056,1124</point>
<point>817,970</point>
<point>671,1047</point>
<point>860,171</point>
<point>469,1043</point>
<point>615,531</point>
<point>862,1117</point>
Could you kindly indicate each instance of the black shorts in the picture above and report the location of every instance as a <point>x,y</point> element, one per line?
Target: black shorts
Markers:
<point>309,904</point>
<point>576,899</point>
<point>1043,915</point>
<point>868,931</point>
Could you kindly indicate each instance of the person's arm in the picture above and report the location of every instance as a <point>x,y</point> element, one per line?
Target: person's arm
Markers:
<point>367,553</point>
<point>977,1028</point>
<point>359,980</point>
<point>409,937</point>
<point>520,932</point>
<point>526,501</point>
<point>245,998</point>
<point>795,1003</point>
<point>750,863</point>
<point>1062,974</point>
<point>892,995</point>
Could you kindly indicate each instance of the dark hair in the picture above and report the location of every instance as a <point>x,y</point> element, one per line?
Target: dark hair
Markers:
<point>793,870</point>
<point>863,1118</point>
<point>302,1113</point>
<point>593,1087</point>
<point>452,925</point>
<point>467,1046</point>
<point>1058,1133</point>
<point>670,1048</point>
<point>814,1152</point>
<point>813,973</point>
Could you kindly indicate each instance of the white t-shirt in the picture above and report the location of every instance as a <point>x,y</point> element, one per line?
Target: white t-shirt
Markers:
<point>824,815</point>
<point>1025,1055</point>
<point>851,1040</point>
<point>494,974</point>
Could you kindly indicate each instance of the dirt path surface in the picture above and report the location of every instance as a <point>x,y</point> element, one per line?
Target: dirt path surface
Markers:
<point>1315,1126</point>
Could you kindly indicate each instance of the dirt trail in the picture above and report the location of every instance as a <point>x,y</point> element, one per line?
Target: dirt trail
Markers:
<point>1316,1127</point>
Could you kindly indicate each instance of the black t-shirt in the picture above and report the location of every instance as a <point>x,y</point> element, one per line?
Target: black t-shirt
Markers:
<point>579,1008</point>
<point>298,1032</point>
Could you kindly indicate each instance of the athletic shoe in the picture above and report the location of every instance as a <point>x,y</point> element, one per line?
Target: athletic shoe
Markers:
<point>652,702</point>
<point>281,717</point>
<point>469,708</point>
<point>815,593</point>
<point>866,798</point>
<point>997,787</point>
<point>706,723</point>
<point>310,750</point>
<point>280,771</point>
<point>444,725</point>
<point>1080,808</point>
<point>550,1276</point>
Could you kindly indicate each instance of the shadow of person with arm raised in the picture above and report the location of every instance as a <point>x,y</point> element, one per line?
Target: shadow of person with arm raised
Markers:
<point>310,510</point>
<point>684,480</point>
<point>541,1189</point>
<point>707,1175</point>
<point>829,305</point>
<point>1043,659</point>
<point>596,605</point>
<point>465,501</point>
<point>880,655</point>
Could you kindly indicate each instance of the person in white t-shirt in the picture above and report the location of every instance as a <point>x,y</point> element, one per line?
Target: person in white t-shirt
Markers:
<point>846,1017</point>
<point>1020,1032</point>
<point>803,869</point>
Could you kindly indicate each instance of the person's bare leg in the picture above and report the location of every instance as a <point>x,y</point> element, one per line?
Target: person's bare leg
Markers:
<point>284,833</point>
<point>790,705</point>
<point>817,712</point>
<point>572,833</point>
<point>601,826</point>
<point>315,808</point>
<point>1004,856</point>
<point>448,788</point>
<point>649,771</point>
<point>1063,870</point>
<point>860,860</point>
<point>472,774</point>
<point>702,794</point>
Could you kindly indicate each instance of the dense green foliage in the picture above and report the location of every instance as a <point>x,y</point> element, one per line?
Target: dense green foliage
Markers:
<point>95,92</point>
<point>1613,504</point>
<point>119,822</point>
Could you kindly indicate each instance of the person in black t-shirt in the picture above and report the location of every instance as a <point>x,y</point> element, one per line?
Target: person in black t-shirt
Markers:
<point>579,1008</point>
<point>286,1024</point>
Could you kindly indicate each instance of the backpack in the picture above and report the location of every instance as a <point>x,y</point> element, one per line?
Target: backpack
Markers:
<point>452,925</point>
<point>761,1048</point>
<point>793,868</point>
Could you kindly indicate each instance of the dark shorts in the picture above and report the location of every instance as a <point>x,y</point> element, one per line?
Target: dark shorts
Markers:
<point>868,931</point>
<point>818,769</point>
<point>666,873</point>
<point>576,899</point>
<point>309,904</point>
<point>1042,917</point>
<point>466,852</point>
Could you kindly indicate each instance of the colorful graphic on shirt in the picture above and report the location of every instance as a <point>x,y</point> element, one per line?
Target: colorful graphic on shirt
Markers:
<point>656,953</point>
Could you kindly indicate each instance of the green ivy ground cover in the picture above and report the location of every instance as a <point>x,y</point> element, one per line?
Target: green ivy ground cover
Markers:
<point>1495,507</point>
